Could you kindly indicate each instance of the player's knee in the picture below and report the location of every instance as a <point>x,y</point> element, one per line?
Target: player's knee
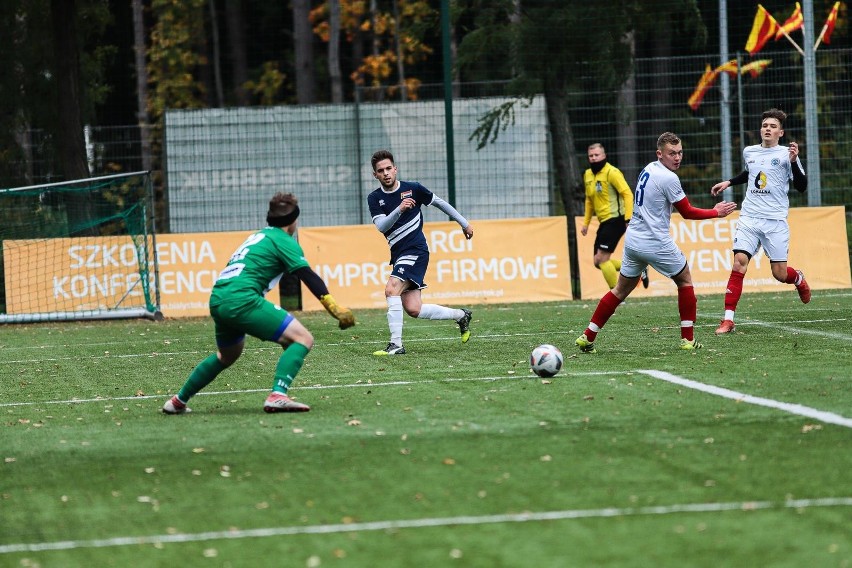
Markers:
<point>228,359</point>
<point>413,311</point>
<point>392,289</point>
<point>304,337</point>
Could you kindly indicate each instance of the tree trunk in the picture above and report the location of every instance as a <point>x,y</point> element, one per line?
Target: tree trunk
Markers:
<point>378,92</point>
<point>334,73</point>
<point>216,56</point>
<point>141,84</point>
<point>661,95</point>
<point>303,47</point>
<point>71,146</point>
<point>69,134</point>
<point>628,151</point>
<point>237,45</point>
<point>568,175</point>
<point>400,64</point>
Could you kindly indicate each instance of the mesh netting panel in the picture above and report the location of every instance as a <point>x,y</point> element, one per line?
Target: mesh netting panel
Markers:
<point>78,250</point>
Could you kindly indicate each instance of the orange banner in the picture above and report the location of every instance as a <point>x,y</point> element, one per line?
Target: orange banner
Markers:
<point>818,247</point>
<point>76,274</point>
<point>508,260</point>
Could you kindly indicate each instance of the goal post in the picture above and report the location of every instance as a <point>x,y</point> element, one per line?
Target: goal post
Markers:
<point>82,249</point>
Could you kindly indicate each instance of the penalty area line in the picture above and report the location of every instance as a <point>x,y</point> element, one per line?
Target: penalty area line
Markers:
<point>745,506</point>
<point>798,409</point>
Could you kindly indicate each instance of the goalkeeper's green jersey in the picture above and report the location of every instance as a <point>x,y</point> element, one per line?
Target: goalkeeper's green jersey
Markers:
<point>257,266</point>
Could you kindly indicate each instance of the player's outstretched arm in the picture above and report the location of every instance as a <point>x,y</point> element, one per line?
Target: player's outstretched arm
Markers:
<point>315,284</point>
<point>721,209</point>
<point>740,178</point>
<point>453,214</point>
<point>344,316</point>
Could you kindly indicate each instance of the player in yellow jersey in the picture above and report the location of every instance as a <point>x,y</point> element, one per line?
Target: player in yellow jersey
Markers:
<point>608,197</point>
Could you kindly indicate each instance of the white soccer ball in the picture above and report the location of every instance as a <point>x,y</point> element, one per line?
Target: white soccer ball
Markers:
<point>546,360</point>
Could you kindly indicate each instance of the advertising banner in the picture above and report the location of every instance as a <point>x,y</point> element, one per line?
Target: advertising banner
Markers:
<point>507,260</point>
<point>818,247</point>
<point>76,274</point>
<point>510,260</point>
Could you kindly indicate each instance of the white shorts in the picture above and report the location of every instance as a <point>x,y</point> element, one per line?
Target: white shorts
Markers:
<point>772,234</point>
<point>668,260</point>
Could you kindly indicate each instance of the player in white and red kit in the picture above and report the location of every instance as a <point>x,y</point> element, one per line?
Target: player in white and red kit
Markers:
<point>648,242</point>
<point>763,220</point>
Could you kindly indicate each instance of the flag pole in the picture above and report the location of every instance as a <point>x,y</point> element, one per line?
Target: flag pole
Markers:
<point>821,35</point>
<point>796,45</point>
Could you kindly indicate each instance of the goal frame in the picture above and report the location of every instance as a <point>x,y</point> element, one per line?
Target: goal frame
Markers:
<point>149,235</point>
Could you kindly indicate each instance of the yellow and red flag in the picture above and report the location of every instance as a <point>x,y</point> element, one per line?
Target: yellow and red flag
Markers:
<point>793,23</point>
<point>829,24</point>
<point>730,68</point>
<point>704,83</point>
<point>755,68</point>
<point>764,28</point>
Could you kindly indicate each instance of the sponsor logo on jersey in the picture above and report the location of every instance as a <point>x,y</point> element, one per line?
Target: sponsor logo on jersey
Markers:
<point>407,194</point>
<point>760,180</point>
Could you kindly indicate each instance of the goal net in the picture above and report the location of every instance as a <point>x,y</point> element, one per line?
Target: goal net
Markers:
<point>81,249</point>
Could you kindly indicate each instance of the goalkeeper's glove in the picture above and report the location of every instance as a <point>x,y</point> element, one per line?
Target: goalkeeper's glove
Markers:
<point>344,316</point>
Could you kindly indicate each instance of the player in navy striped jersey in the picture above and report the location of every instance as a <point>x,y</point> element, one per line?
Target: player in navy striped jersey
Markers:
<point>648,242</point>
<point>763,220</point>
<point>395,208</point>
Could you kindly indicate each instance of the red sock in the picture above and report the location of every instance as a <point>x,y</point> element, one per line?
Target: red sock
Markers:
<point>606,307</point>
<point>687,306</point>
<point>792,275</point>
<point>734,290</point>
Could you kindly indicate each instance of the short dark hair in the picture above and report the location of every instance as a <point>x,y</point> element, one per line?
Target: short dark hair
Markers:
<point>379,156</point>
<point>775,113</point>
<point>282,204</point>
<point>667,138</point>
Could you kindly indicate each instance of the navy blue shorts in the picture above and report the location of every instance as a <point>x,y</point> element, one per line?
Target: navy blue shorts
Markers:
<point>411,265</point>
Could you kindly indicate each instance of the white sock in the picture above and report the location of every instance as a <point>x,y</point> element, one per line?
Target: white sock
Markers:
<point>729,315</point>
<point>436,312</point>
<point>395,319</point>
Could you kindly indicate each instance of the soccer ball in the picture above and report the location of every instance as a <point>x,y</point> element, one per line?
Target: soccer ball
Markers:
<point>545,360</point>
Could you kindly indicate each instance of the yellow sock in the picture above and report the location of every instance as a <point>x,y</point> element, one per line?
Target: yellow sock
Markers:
<point>616,263</point>
<point>610,272</point>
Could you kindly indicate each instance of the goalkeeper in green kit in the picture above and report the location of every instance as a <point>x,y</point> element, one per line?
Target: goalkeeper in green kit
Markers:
<point>238,307</point>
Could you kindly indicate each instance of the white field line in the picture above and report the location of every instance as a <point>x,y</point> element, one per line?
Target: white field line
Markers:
<point>789,328</point>
<point>580,324</point>
<point>744,506</point>
<point>514,377</point>
<point>801,331</point>
<point>798,409</point>
<point>272,347</point>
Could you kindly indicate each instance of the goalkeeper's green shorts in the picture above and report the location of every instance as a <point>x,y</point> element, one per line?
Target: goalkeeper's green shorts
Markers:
<point>257,317</point>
